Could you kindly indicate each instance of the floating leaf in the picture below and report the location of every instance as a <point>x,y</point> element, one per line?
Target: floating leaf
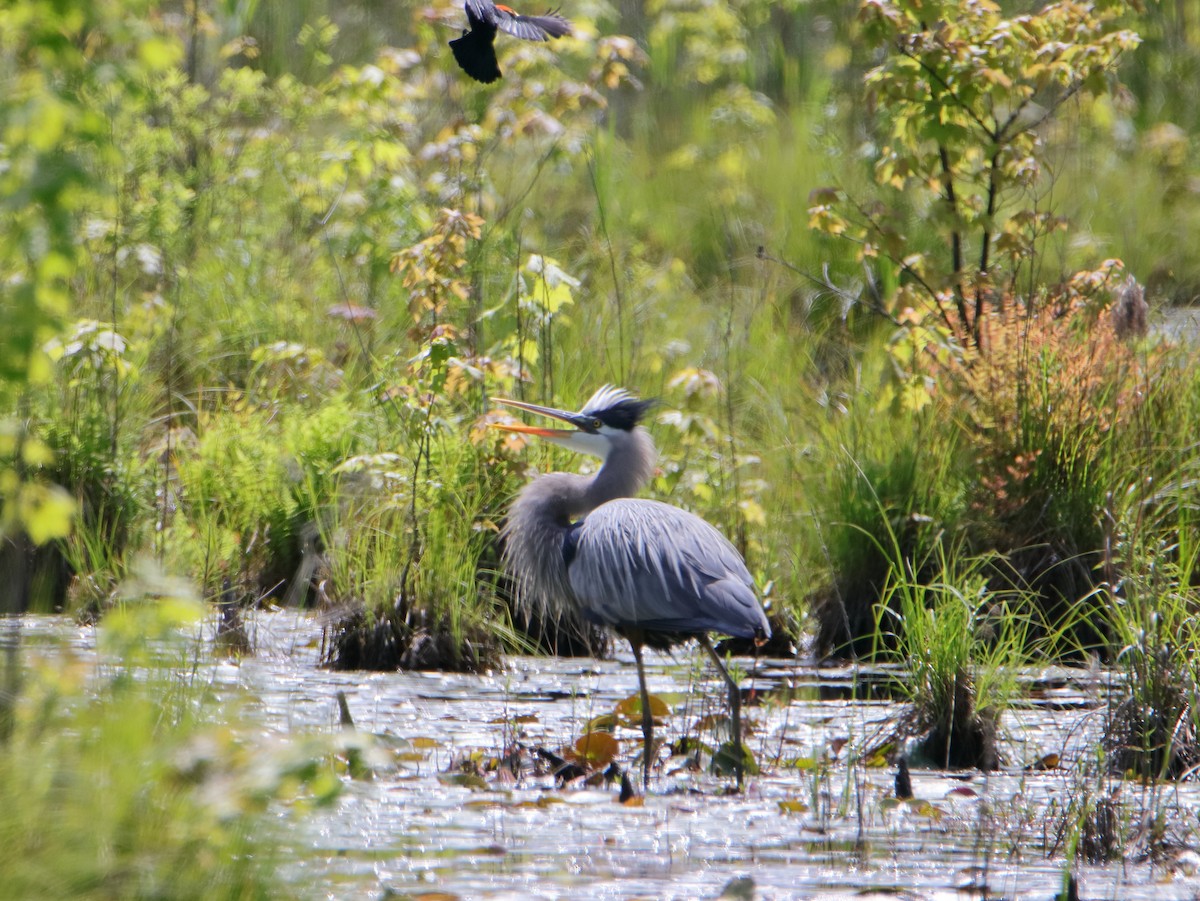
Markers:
<point>594,750</point>
<point>483,804</point>
<point>724,762</point>
<point>793,806</point>
<point>804,763</point>
<point>605,722</point>
<point>630,710</point>
<point>925,809</point>
<point>464,780</point>
<point>740,888</point>
<point>541,803</point>
<point>1046,762</point>
<point>878,756</point>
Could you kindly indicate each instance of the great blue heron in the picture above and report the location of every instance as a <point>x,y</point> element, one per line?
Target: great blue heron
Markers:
<point>656,574</point>
<point>475,51</point>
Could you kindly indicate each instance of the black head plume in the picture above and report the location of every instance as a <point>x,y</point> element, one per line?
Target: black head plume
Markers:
<point>616,408</point>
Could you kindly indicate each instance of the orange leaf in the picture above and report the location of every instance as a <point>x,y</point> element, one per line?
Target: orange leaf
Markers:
<point>594,750</point>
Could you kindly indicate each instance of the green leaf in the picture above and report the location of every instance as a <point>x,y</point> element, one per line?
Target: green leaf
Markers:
<point>724,762</point>
<point>160,54</point>
<point>46,511</point>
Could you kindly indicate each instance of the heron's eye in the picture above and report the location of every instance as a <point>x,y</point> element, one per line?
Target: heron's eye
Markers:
<point>596,423</point>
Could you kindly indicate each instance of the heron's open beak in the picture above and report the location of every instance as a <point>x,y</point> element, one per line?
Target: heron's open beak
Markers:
<point>533,430</point>
<point>579,439</point>
<point>564,415</point>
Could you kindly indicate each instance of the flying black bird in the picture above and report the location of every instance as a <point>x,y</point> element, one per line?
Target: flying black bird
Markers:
<point>475,50</point>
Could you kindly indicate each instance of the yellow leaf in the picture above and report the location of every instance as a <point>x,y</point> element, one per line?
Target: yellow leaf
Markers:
<point>753,512</point>
<point>915,396</point>
<point>36,453</point>
<point>594,749</point>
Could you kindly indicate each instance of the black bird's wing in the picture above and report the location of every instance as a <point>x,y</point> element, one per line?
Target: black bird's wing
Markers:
<point>507,19</point>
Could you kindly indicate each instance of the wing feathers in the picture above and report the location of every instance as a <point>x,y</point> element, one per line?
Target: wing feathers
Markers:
<point>653,566</point>
<point>531,28</point>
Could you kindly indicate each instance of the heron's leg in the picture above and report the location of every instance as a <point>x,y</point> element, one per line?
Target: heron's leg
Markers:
<point>647,715</point>
<point>735,707</point>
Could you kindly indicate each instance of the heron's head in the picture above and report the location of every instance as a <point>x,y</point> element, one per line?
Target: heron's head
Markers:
<point>606,421</point>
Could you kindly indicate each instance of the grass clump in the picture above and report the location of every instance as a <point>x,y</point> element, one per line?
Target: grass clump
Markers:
<point>888,502</point>
<point>1151,606</point>
<point>1153,730</point>
<point>961,646</point>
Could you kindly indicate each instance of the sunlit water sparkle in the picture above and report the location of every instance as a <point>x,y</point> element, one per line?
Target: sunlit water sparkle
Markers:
<point>407,832</point>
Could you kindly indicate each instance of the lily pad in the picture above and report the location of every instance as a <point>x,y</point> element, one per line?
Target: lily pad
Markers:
<point>594,750</point>
<point>629,711</point>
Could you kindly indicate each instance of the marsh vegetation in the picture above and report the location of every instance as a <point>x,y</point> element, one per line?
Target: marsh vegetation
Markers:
<point>894,272</point>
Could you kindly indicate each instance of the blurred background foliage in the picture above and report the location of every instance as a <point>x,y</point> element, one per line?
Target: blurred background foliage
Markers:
<point>264,264</point>
<point>905,277</point>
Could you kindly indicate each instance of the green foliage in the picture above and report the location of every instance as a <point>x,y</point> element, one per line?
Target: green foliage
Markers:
<point>962,97</point>
<point>893,499</point>
<point>962,647</point>
<point>1153,730</point>
<point>119,781</point>
<point>306,261</point>
<point>236,487</point>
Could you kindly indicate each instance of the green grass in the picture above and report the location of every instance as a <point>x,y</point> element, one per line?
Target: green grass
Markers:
<point>121,778</point>
<point>963,647</point>
<point>236,271</point>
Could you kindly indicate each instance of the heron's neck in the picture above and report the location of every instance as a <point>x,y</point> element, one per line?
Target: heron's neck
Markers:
<point>626,470</point>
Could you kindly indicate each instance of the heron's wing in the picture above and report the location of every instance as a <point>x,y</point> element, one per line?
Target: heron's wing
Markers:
<point>531,28</point>
<point>643,564</point>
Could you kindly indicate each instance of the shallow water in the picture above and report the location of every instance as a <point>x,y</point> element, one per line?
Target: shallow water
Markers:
<point>810,826</point>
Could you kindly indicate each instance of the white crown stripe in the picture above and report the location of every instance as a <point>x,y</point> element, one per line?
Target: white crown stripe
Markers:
<point>605,398</point>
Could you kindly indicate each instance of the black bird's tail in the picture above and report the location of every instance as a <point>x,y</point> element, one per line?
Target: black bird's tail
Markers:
<point>476,54</point>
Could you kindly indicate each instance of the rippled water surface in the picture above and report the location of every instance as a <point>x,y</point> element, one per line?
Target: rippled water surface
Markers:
<point>810,826</point>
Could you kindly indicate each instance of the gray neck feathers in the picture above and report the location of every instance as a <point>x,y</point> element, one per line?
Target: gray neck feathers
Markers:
<point>629,466</point>
<point>544,511</point>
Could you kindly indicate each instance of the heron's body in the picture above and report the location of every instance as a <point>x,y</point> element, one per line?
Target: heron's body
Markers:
<point>641,564</point>
<point>655,573</point>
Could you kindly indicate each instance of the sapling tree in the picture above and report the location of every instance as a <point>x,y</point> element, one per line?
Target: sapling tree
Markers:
<point>957,217</point>
<point>962,97</point>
